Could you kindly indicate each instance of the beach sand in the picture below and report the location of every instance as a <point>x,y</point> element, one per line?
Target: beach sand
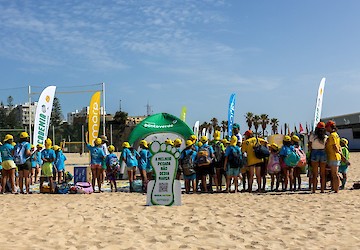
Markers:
<point>205,221</point>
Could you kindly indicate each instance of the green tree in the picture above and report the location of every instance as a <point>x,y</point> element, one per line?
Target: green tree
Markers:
<point>256,122</point>
<point>274,125</point>
<point>249,119</point>
<point>56,114</point>
<point>224,127</point>
<point>264,118</point>
<point>13,119</point>
<point>10,101</point>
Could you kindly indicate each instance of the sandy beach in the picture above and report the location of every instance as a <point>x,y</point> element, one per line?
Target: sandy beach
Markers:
<point>204,221</point>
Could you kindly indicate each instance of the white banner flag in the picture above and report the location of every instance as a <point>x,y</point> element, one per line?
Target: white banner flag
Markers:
<point>43,114</point>
<point>319,100</point>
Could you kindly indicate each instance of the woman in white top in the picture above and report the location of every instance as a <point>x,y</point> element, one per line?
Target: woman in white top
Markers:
<point>318,156</point>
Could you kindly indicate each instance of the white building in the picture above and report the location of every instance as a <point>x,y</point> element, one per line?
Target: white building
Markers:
<point>26,112</point>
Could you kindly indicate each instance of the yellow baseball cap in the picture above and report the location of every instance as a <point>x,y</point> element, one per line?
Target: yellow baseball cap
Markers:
<point>295,138</point>
<point>233,140</point>
<point>8,137</point>
<point>193,137</point>
<point>144,143</point>
<point>169,142</point>
<point>126,144</point>
<point>24,135</point>
<point>344,141</point>
<point>111,148</point>
<point>56,147</point>
<point>287,138</point>
<point>177,142</point>
<point>188,143</point>
<point>217,135</point>
<point>98,141</point>
<point>274,146</point>
<point>203,139</point>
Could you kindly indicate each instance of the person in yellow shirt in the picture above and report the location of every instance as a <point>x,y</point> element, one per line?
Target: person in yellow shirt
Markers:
<point>334,154</point>
<point>254,164</point>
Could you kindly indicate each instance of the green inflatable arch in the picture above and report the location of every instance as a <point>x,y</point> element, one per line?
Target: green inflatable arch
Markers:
<point>158,124</point>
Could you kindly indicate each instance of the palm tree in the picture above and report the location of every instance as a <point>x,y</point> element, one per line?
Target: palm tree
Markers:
<point>202,126</point>
<point>214,122</point>
<point>264,118</point>
<point>249,119</point>
<point>256,121</point>
<point>224,127</point>
<point>274,125</point>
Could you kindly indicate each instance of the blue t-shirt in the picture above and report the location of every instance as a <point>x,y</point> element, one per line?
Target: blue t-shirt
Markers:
<point>285,150</point>
<point>211,150</point>
<point>144,160</point>
<point>230,149</point>
<point>6,151</point>
<point>39,161</point>
<point>60,160</point>
<point>97,154</point>
<point>27,146</point>
<point>111,159</point>
<point>48,154</point>
<point>130,157</point>
<point>186,152</point>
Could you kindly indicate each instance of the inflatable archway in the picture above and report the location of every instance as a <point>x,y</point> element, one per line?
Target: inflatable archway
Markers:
<point>159,127</point>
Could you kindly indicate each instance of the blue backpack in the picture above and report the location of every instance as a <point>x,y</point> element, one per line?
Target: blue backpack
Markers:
<point>292,159</point>
<point>19,154</point>
<point>235,158</point>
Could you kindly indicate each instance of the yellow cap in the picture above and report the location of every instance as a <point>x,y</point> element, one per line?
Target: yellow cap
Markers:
<point>48,143</point>
<point>287,138</point>
<point>217,135</point>
<point>203,139</point>
<point>177,142</point>
<point>188,143</point>
<point>111,148</point>
<point>56,147</point>
<point>193,137</point>
<point>233,140</point>
<point>169,142</point>
<point>200,144</point>
<point>225,141</point>
<point>13,143</point>
<point>98,141</point>
<point>24,135</point>
<point>126,144</point>
<point>32,146</point>
<point>144,143</point>
<point>344,141</point>
<point>8,137</point>
<point>274,146</point>
<point>39,146</point>
<point>295,138</point>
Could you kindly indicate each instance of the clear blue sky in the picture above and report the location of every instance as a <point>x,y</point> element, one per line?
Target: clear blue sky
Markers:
<point>272,54</point>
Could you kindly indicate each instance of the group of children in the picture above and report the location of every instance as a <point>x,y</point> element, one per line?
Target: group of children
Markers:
<point>202,163</point>
<point>22,164</point>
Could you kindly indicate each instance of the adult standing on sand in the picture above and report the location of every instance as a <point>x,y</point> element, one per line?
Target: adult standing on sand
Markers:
<point>104,142</point>
<point>334,154</point>
<point>254,163</point>
<point>97,156</point>
<point>318,156</point>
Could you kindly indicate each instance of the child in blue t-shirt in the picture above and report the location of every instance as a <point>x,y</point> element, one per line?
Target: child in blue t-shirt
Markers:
<point>112,167</point>
<point>60,163</point>
<point>143,162</point>
<point>288,171</point>
<point>130,156</point>
<point>48,157</point>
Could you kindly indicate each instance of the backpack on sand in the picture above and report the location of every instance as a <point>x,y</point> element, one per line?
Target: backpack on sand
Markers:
<point>84,188</point>
<point>203,157</point>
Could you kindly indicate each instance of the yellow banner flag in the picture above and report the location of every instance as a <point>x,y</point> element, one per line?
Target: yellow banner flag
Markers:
<point>183,114</point>
<point>94,117</point>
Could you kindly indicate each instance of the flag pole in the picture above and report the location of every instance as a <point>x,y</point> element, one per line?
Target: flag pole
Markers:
<point>103,90</point>
<point>29,93</point>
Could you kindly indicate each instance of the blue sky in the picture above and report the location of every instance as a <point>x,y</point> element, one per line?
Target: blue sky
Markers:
<point>272,54</point>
